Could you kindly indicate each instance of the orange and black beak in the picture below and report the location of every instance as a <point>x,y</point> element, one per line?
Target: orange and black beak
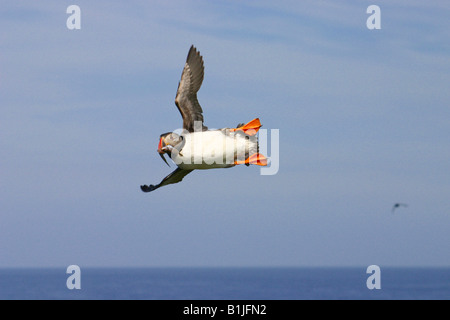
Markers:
<point>161,145</point>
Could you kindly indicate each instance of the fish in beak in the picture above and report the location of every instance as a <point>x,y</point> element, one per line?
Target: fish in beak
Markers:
<point>161,150</point>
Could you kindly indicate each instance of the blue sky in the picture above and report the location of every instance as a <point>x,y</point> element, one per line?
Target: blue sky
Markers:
<point>363,116</point>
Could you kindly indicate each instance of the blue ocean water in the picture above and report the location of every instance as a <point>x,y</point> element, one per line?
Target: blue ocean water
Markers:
<point>225,284</point>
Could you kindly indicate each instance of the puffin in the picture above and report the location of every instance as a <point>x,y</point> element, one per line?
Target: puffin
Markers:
<point>197,147</point>
<point>398,205</point>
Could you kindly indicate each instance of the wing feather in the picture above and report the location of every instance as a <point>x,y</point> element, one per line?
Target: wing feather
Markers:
<point>190,83</point>
<point>174,177</point>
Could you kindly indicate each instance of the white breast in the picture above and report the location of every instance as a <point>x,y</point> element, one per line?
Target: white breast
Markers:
<point>213,149</point>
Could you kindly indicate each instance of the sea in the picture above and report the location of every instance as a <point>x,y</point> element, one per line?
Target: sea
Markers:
<point>225,284</point>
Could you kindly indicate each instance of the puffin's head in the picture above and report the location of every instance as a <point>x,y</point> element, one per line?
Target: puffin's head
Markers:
<point>167,141</point>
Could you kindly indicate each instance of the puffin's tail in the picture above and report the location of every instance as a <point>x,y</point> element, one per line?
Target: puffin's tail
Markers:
<point>256,158</point>
<point>250,128</point>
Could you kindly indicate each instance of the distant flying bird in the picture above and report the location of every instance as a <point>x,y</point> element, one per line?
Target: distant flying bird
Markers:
<point>398,205</point>
<point>197,147</point>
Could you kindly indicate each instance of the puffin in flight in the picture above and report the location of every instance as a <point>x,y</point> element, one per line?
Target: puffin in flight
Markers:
<point>398,205</point>
<point>197,147</point>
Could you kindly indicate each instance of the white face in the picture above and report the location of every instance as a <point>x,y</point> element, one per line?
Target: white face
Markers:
<point>168,141</point>
<point>172,139</point>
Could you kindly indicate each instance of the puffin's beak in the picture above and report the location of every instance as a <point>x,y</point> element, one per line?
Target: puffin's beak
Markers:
<point>161,145</point>
<point>161,152</point>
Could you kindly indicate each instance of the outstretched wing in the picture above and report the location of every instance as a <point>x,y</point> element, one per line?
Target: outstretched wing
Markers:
<point>175,177</point>
<point>190,83</point>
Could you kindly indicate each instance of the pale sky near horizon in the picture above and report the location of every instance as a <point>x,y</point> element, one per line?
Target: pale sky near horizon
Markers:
<point>363,117</point>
